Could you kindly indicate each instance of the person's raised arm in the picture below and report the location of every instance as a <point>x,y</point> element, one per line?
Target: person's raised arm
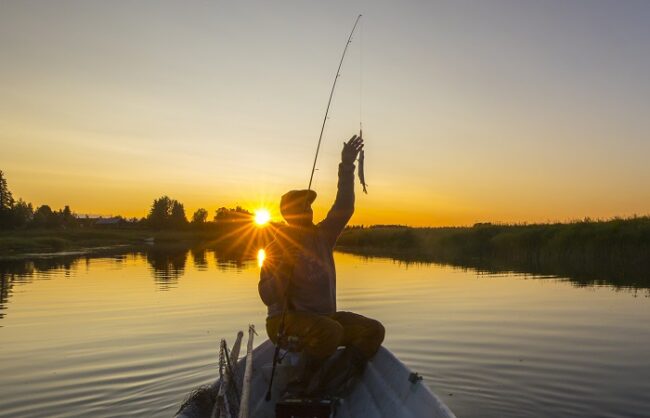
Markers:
<point>343,207</point>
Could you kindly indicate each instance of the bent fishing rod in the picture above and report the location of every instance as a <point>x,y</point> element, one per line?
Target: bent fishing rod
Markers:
<point>282,331</point>
<point>329,102</point>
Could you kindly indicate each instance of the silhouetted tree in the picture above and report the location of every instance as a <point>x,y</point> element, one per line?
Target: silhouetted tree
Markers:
<point>6,203</point>
<point>44,217</point>
<point>160,212</point>
<point>66,217</point>
<point>238,214</point>
<point>200,216</point>
<point>177,218</point>
<point>166,213</point>
<point>22,213</point>
<point>6,199</point>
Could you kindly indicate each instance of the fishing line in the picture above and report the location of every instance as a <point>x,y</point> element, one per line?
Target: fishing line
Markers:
<point>362,153</point>
<point>361,80</point>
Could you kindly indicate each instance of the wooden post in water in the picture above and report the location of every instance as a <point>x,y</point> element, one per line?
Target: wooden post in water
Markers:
<point>248,375</point>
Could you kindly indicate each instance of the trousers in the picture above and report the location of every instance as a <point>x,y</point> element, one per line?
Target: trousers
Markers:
<point>321,335</point>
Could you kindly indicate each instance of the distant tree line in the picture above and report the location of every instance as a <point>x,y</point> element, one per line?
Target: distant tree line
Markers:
<point>615,250</point>
<point>168,213</point>
<point>165,213</point>
<point>18,214</point>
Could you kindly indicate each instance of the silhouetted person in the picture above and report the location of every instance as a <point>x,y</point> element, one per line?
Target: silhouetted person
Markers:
<point>299,267</point>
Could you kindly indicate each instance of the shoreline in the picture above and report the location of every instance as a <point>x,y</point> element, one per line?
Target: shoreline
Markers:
<point>616,251</point>
<point>40,243</point>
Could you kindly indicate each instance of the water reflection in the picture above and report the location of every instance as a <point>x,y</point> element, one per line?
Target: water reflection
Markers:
<point>199,258</point>
<point>491,345</point>
<point>24,271</point>
<point>231,261</point>
<point>261,256</point>
<point>5,287</point>
<point>587,273</point>
<point>167,265</point>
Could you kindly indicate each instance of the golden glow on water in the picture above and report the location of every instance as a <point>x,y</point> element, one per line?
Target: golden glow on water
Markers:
<point>262,217</point>
<point>140,331</point>
<point>261,255</point>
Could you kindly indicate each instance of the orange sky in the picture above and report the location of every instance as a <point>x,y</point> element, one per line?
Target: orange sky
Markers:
<point>471,112</point>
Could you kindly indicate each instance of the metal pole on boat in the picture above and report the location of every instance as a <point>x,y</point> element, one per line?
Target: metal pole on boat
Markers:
<point>234,353</point>
<point>221,408</point>
<point>248,375</point>
<point>228,375</point>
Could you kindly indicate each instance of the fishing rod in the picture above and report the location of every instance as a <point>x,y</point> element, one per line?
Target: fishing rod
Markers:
<point>329,102</point>
<point>286,302</point>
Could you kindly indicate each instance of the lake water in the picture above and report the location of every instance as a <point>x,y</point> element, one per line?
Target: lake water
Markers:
<point>132,334</point>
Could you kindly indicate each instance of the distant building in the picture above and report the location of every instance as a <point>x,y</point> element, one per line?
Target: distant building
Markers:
<point>109,221</point>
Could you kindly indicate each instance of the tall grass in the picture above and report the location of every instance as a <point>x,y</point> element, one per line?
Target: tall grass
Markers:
<point>616,251</point>
<point>45,240</point>
<point>24,241</point>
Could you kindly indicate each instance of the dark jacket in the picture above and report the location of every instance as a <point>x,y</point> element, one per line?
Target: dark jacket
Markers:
<point>313,282</point>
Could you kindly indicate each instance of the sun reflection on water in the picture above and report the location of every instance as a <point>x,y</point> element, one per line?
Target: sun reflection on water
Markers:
<point>261,255</point>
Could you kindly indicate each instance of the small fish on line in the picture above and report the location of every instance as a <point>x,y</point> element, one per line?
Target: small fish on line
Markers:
<point>362,175</point>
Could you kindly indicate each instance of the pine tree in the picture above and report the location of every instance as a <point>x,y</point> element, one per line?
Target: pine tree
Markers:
<point>6,203</point>
<point>6,199</point>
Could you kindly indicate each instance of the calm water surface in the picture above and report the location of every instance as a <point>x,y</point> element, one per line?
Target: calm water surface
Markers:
<point>130,335</point>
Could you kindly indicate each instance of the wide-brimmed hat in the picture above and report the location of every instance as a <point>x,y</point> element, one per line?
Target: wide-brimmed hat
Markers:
<point>294,201</point>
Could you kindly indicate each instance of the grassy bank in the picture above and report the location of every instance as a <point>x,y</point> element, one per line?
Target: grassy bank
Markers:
<point>47,240</point>
<point>615,251</point>
<point>54,240</point>
<point>229,237</point>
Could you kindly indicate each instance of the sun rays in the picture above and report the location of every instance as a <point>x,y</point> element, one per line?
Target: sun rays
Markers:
<point>248,233</point>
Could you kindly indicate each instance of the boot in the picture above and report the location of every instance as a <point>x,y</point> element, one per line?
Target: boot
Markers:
<point>338,375</point>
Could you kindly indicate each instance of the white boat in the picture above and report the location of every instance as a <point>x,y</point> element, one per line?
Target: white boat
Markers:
<point>387,389</point>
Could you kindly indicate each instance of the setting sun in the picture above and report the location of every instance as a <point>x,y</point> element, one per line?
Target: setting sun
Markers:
<point>262,217</point>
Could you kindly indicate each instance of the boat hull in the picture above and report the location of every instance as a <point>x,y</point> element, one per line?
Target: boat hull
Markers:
<point>386,390</point>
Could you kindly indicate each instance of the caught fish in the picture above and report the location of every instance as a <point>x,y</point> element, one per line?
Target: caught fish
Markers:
<point>362,176</point>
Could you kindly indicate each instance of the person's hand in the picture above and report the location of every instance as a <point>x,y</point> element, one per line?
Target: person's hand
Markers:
<point>351,149</point>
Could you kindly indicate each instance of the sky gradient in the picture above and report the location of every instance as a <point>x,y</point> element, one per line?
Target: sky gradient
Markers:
<point>473,111</point>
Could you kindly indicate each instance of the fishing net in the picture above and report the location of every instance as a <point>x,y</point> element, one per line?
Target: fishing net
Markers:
<point>211,400</point>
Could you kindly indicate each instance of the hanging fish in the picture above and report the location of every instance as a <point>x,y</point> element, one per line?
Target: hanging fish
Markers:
<point>362,176</point>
